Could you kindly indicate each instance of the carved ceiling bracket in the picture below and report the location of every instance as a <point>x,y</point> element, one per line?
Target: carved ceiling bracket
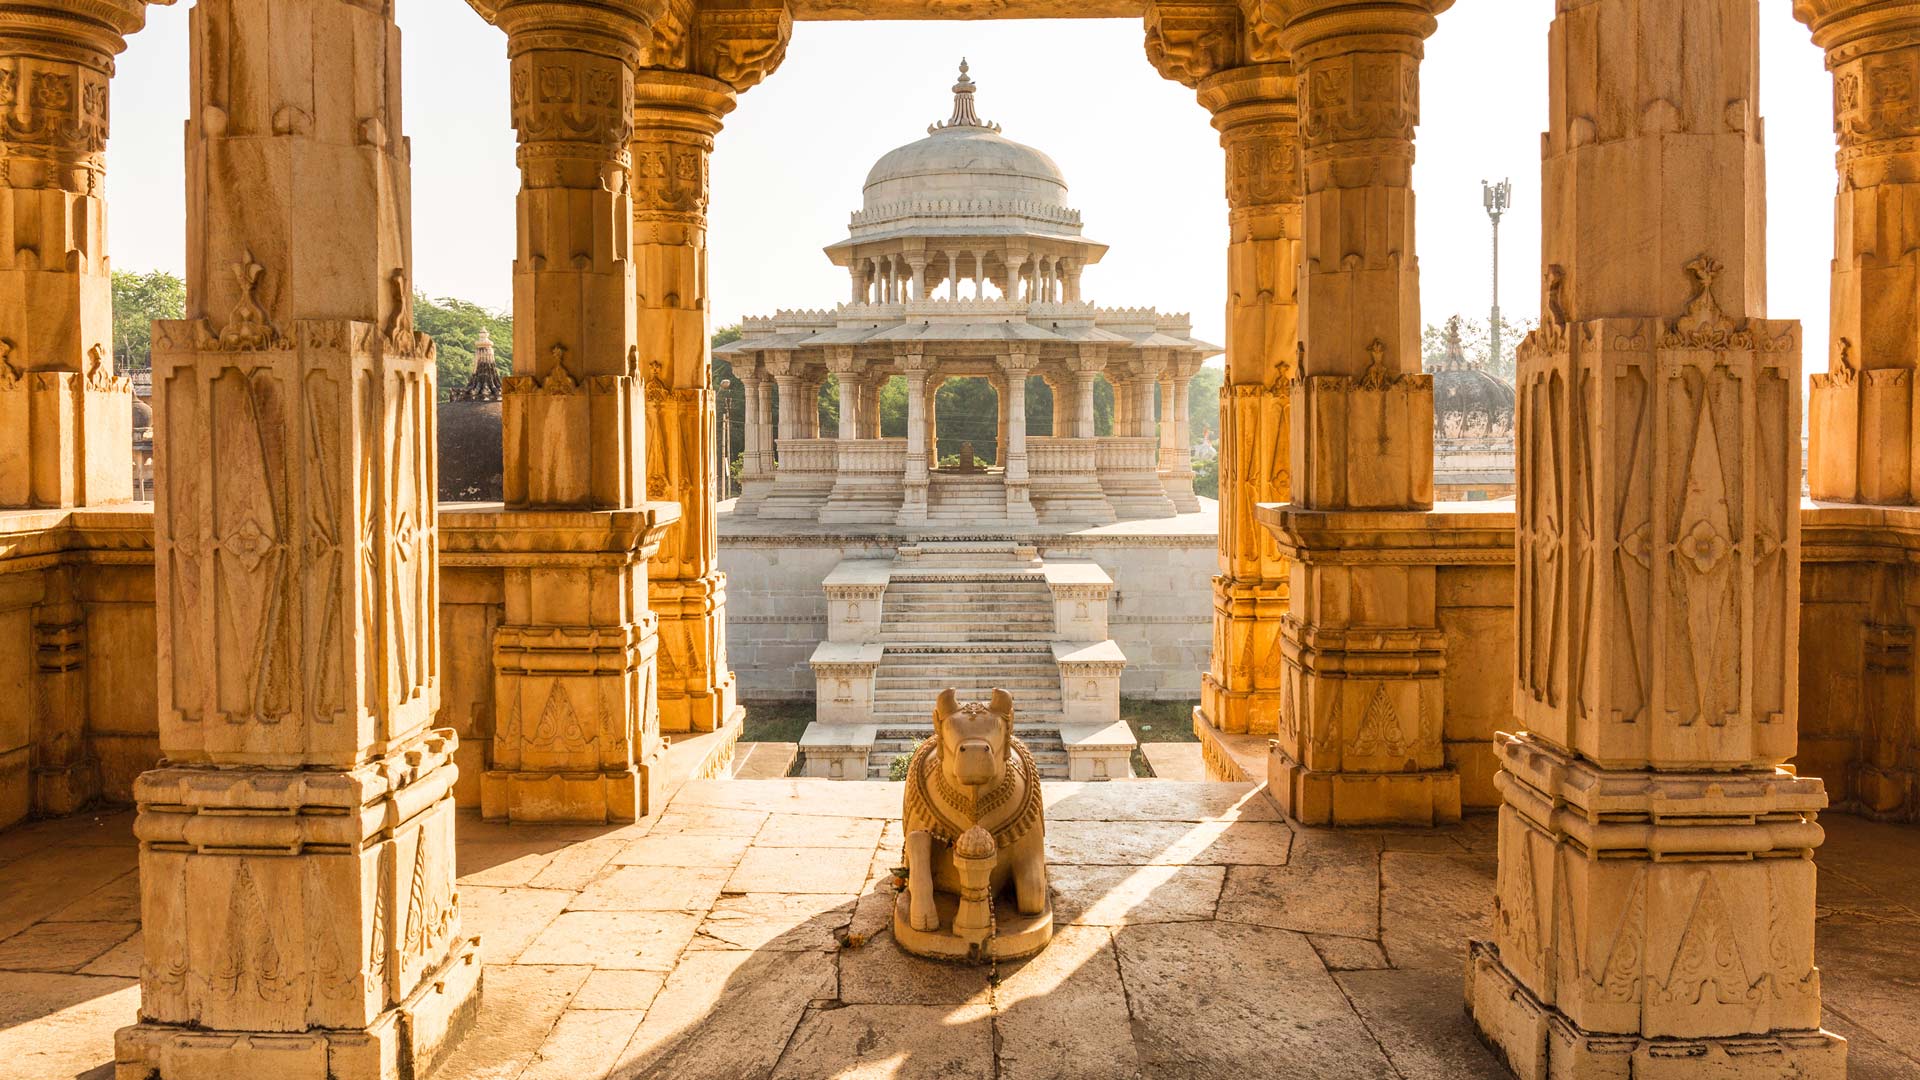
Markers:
<point>736,42</point>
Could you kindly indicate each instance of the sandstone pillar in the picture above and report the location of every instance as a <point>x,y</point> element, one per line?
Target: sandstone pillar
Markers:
<point>1360,652</point>
<point>933,420</point>
<point>913,503</point>
<point>1018,365</point>
<point>1861,427</point>
<point>1656,884</point>
<point>791,410</point>
<point>578,732</point>
<point>66,420</point>
<point>296,848</point>
<point>841,363</point>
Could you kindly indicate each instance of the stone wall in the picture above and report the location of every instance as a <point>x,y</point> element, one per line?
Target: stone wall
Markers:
<point>1162,614</point>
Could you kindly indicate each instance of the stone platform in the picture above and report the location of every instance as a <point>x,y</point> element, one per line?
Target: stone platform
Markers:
<point>743,934</point>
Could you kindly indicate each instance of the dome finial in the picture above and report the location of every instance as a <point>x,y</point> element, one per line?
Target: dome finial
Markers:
<point>963,114</point>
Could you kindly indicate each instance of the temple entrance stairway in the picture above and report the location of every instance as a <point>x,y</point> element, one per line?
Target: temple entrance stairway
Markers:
<point>972,614</point>
<point>966,500</point>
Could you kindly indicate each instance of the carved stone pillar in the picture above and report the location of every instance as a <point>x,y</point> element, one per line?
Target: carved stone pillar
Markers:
<point>578,735</point>
<point>933,420</point>
<point>1176,446</point>
<point>913,503</point>
<point>296,848</point>
<point>1086,365</point>
<point>1861,423</point>
<point>66,420</point>
<point>1361,655</point>
<point>1656,883</point>
<point>1018,365</point>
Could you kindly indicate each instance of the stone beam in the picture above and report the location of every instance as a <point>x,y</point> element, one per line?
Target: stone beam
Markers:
<point>866,10</point>
<point>296,848</point>
<point>65,417</point>
<point>1655,895</point>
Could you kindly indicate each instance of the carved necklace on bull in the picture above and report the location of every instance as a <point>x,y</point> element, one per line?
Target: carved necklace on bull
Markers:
<point>926,772</point>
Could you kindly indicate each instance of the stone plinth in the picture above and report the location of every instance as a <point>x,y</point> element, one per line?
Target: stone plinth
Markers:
<point>845,675</point>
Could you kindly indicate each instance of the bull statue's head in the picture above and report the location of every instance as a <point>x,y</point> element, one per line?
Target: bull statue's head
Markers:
<point>975,738</point>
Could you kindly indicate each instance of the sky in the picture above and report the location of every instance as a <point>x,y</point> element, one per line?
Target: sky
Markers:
<point>1143,165</point>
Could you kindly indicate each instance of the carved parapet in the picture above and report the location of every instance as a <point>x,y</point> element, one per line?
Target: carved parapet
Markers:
<point>303,921</point>
<point>1658,539</point>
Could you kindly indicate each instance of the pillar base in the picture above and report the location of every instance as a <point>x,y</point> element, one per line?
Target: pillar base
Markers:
<point>405,1042</point>
<point>1242,712</point>
<point>1334,798</point>
<point>1886,794</point>
<point>59,790</point>
<point>588,798</point>
<point>1538,1042</point>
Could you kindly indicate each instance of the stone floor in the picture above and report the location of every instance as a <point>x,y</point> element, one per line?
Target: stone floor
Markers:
<point>743,933</point>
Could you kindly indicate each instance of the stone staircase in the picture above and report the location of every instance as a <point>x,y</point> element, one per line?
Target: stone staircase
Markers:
<point>966,500</point>
<point>1049,753</point>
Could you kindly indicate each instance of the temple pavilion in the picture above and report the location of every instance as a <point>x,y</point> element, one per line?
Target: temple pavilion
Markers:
<point>966,261</point>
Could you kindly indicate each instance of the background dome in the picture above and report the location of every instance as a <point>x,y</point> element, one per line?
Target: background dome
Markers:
<point>965,163</point>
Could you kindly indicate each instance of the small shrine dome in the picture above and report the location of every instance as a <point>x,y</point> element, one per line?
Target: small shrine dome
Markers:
<point>1468,400</point>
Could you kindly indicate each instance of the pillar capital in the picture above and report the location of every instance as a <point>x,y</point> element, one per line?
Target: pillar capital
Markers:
<point>735,42</point>
<point>842,361</point>
<point>1018,362</point>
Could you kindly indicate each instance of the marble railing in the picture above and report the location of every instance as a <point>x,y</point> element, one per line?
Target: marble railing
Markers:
<point>808,455</point>
<point>1060,457</point>
<point>872,457</point>
<point>1131,454</point>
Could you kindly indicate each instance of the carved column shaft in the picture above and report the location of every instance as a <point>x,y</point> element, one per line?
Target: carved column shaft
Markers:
<point>296,862</point>
<point>1656,878</point>
<point>1018,366</point>
<point>65,418</point>
<point>913,504</point>
<point>1861,423</point>
<point>578,732</point>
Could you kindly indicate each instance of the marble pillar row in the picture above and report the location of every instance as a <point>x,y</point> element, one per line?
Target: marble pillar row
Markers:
<point>1861,423</point>
<point>1654,909</point>
<point>298,905</point>
<point>65,417</point>
<point>1361,654</point>
<point>577,734</point>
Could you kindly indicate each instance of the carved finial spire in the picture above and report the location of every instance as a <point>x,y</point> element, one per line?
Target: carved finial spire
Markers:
<point>963,114</point>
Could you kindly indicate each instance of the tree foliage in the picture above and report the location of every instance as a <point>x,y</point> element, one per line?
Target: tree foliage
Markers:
<point>139,299</point>
<point>455,325</point>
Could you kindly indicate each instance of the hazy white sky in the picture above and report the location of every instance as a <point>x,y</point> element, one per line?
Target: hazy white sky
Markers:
<point>1144,167</point>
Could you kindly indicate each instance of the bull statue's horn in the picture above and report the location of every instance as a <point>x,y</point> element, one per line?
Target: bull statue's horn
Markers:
<point>945,706</point>
<point>1002,702</point>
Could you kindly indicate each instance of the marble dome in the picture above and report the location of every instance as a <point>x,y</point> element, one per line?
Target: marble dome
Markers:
<point>965,170</point>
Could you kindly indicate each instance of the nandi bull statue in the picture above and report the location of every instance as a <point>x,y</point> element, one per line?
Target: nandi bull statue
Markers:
<point>976,839</point>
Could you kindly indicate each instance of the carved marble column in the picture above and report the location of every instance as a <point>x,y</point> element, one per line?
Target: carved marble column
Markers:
<point>1655,898</point>
<point>296,847</point>
<point>1861,422</point>
<point>1176,464</point>
<point>65,417</point>
<point>578,732</point>
<point>1018,365</point>
<point>691,74</point>
<point>1086,365</point>
<point>913,502</point>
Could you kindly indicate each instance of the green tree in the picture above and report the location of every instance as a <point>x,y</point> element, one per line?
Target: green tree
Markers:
<point>455,325</point>
<point>139,299</point>
<point>1203,403</point>
<point>1206,478</point>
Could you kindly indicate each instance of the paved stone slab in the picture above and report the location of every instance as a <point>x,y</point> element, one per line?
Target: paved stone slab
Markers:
<point>42,882</point>
<point>518,1008</point>
<point>583,1045</point>
<point>653,888</point>
<point>780,921</point>
<point>1348,953</point>
<point>1176,761</point>
<point>764,761</point>
<point>799,795</point>
<point>61,946</point>
<point>116,901</point>
<point>1162,800</point>
<point>1062,1015</point>
<point>1212,1001</point>
<point>791,870</point>
<point>878,973</point>
<point>891,1042</point>
<point>1417,1017</point>
<point>62,1026</point>
<point>508,920</point>
<point>725,1015</point>
<point>1168,843</point>
<point>649,940</point>
<point>618,990</point>
<point>820,832</point>
<point>123,960</point>
<point>574,866</point>
<point>683,849</point>
<point>1323,889</point>
<point>1118,895</point>
<point>708,821</point>
<point>1432,905</point>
